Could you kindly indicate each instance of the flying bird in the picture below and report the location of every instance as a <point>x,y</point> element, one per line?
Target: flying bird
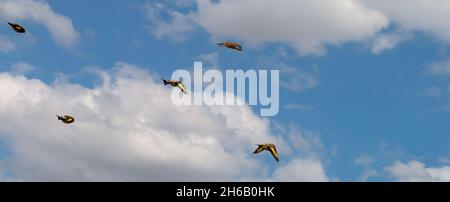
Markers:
<point>66,119</point>
<point>231,45</point>
<point>16,27</point>
<point>176,83</point>
<point>268,147</point>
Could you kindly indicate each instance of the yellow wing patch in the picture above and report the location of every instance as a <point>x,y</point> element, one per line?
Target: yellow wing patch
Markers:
<point>274,153</point>
<point>181,86</point>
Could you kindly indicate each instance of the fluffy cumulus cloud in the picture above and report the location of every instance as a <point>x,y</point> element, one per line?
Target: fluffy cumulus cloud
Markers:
<point>417,171</point>
<point>416,15</point>
<point>310,25</point>
<point>127,129</point>
<point>60,26</point>
<point>305,25</point>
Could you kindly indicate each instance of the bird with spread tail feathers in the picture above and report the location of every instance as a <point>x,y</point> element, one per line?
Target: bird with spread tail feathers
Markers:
<point>268,147</point>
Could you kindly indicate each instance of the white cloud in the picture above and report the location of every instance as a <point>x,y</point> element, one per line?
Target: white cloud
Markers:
<point>301,170</point>
<point>310,25</point>
<point>60,26</point>
<point>384,42</point>
<point>417,171</point>
<point>416,15</point>
<point>366,161</point>
<point>306,25</point>
<point>175,29</point>
<point>6,45</point>
<point>126,129</point>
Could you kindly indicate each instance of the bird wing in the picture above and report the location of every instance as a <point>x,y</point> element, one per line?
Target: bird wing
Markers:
<point>274,153</point>
<point>259,149</point>
<point>182,87</point>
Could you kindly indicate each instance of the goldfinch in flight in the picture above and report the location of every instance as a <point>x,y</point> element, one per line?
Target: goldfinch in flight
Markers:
<point>16,27</point>
<point>231,45</point>
<point>66,119</point>
<point>268,147</point>
<point>176,83</point>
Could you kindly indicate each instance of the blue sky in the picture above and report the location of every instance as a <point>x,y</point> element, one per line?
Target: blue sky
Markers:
<point>362,114</point>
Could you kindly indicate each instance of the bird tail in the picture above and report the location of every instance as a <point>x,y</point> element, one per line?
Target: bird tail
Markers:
<point>59,117</point>
<point>165,81</point>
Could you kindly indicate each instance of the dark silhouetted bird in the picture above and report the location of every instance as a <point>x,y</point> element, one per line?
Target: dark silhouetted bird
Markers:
<point>16,27</point>
<point>231,45</point>
<point>268,147</point>
<point>66,119</point>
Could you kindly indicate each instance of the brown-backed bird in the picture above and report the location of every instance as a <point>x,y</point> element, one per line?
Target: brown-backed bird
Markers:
<point>268,147</point>
<point>176,83</point>
<point>231,45</point>
<point>16,27</point>
<point>66,119</point>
